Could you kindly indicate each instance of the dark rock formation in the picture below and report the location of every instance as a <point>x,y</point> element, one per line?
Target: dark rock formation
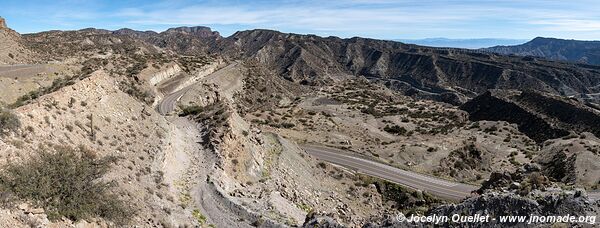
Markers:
<point>573,203</point>
<point>539,116</point>
<point>492,107</point>
<point>555,49</point>
<point>318,221</point>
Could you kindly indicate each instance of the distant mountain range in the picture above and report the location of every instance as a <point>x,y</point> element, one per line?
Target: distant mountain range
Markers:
<point>451,76</point>
<point>462,43</point>
<point>555,49</point>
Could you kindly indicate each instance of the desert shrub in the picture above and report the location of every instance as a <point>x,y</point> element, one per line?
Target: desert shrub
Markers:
<point>322,165</point>
<point>9,122</point>
<point>136,91</point>
<point>66,182</point>
<point>32,95</point>
<point>191,110</point>
<point>287,125</point>
<point>405,199</point>
<point>490,129</point>
<point>395,129</point>
<point>136,68</point>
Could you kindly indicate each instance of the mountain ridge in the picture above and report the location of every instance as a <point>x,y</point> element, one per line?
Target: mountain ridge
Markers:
<point>471,43</point>
<point>449,75</point>
<point>310,59</point>
<point>578,51</point>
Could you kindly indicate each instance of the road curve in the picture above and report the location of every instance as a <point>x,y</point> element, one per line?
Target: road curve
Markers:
<point>435,186</point>
<point>441,188</point>
<point>167,104</point>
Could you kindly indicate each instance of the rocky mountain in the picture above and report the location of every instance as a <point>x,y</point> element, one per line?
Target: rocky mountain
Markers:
<point>198,31</point>
<point>449,75</point>
<point>309,59</point>
<point>577,51</point>
<point>192,129</point>
<point>183,40</point>
<point>85,43</point>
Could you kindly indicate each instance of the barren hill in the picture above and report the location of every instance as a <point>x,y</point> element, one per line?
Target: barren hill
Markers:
<point>309,59</point>
<point>206,131</point>
<point>12,50</point>
<point>538,115</point>
<point>587,52</point>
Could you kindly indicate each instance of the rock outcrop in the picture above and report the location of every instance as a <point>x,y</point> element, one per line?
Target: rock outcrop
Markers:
<point>164,74</point>
<point>199,31</point>
<point>12,50</point>
<point>494,107</point>
<point>539,116</point>
<point>572,161</point>
<point>3,23</point>
<point>573,203</point>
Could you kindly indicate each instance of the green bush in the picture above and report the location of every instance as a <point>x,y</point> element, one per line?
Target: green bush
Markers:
<point>9,122</point>
<point>66,182</point>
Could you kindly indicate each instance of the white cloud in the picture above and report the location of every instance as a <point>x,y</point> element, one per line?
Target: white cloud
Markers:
<point>374,18</point>
<point>573,25</point>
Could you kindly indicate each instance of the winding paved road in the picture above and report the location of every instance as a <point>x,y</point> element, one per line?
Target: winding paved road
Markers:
<point>168,103</point>
<point>441,188</point>
<point>435,186</point>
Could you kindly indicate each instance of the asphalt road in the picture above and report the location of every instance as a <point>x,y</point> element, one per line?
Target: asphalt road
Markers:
<point>435,186</point>
<point>438,187</point>
<point>168,103</point>
<point>14,70</point>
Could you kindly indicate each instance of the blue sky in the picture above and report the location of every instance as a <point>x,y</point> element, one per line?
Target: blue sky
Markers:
<point>384,19</point>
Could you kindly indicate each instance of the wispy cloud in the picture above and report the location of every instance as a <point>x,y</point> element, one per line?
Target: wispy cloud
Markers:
<point>573,25</point>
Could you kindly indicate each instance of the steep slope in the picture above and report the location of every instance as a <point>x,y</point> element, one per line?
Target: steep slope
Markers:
<point>450,75</point>
<point>96,114</point>
<point>555,49</point>
<point>539,116</point>
<point>11,49</point>
<point>314,60</point>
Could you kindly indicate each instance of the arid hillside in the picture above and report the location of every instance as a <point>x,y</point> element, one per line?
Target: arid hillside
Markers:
<point>186,128</point>
<point>412,69</point>
<point>12,50</point>
<point>586,52</point>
